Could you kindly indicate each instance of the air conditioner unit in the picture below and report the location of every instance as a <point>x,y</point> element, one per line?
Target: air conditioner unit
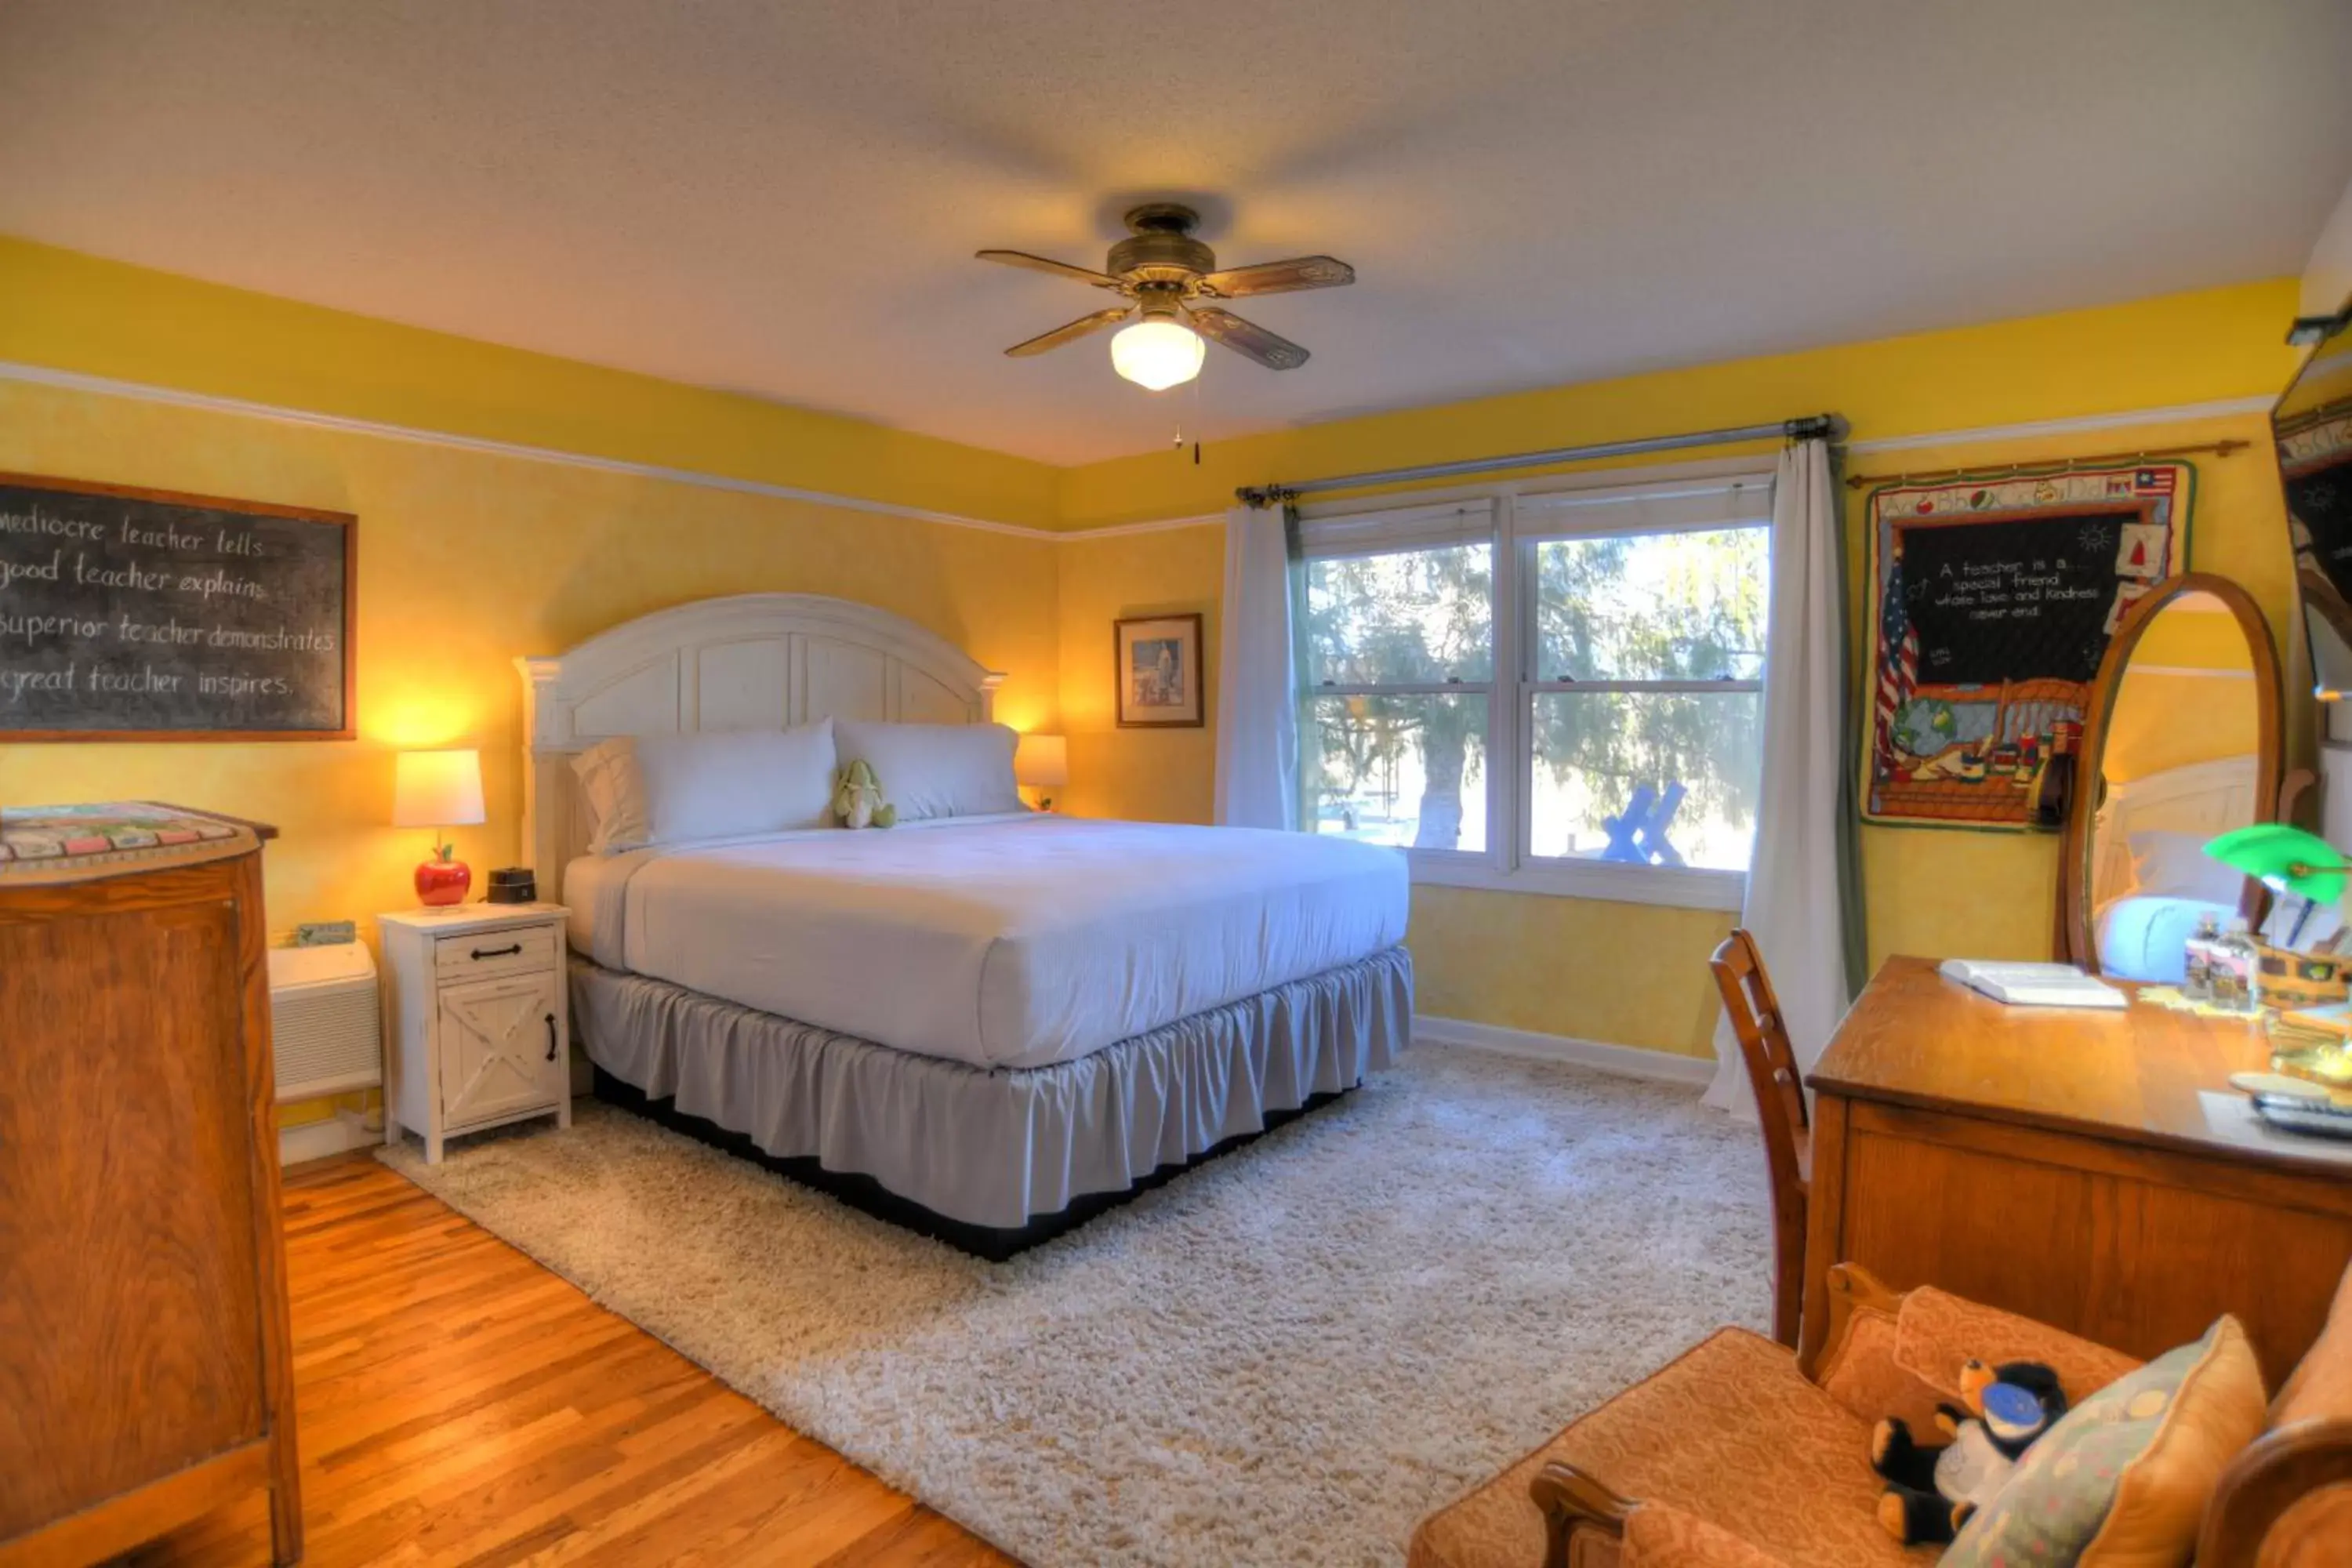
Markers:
<point>322,1020</point>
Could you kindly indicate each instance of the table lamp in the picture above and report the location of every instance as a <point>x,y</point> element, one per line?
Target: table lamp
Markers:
<point>2285,860</point>
<point>438,790</point>
<point>1043,762</point>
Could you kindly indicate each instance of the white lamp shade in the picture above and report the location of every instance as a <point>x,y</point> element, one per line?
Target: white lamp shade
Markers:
<point>438,789</point>
<point>1157,354</point>
<point>1042,761</point>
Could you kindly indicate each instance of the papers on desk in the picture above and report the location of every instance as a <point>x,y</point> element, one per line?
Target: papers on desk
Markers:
<point>2033,984</point>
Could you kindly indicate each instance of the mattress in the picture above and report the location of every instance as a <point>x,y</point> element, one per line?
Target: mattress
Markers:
<point>997,942</point>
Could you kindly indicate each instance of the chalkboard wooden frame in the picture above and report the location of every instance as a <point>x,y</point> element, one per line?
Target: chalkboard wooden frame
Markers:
<point>347,522</point>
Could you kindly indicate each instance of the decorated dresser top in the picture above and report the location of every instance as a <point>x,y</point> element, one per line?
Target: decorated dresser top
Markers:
<point>66,843</point>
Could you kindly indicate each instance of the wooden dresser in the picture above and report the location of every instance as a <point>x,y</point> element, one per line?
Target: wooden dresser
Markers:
<point>144,1369</point>
<point>2093,1171</point>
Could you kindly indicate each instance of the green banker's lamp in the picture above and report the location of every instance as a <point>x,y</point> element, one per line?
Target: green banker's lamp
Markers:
<point>2286,860</point>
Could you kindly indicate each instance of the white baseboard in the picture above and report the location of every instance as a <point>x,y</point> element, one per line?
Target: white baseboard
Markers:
<point>1627,1061</point>
<point>318,1139</point>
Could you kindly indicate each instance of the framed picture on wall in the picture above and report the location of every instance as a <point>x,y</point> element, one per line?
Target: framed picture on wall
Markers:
<point>1157,668</point>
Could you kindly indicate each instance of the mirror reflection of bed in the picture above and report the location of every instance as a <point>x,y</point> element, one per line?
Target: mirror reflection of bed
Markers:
<point>2185,753</point>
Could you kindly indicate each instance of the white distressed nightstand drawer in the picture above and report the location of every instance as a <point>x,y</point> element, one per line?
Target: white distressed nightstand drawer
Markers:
<point>485,953</point>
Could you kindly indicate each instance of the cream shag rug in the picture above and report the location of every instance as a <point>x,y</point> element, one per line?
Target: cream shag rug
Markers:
<point>1288,1355</point>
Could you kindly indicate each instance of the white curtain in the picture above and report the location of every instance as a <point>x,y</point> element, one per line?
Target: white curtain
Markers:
<point>1794,886</point>
<point>1257,703</point>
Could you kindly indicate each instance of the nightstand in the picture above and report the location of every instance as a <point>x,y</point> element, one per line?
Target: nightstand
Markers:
<point>477,1019</point>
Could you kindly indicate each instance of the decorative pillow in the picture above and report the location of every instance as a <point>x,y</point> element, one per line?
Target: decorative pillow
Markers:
<point>2175,866</point>
<point>2123,1479</point>
<point>615,794</point>
<point>936,770</point>
<point>677,789</point>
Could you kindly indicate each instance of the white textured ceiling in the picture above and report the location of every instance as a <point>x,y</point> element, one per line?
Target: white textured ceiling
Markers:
<point>782,198</point>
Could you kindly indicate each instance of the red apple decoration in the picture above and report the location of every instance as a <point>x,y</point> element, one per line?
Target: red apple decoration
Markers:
<point>444,879</point>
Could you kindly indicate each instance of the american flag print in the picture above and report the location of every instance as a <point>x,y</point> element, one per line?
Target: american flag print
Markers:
<point>1898,669</point>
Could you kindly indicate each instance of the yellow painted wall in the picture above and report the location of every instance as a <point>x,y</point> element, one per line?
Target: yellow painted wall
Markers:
<point>1160,775</point>
<point>1634,974</point>
<point>74,312</point>
<point>2181,349</point>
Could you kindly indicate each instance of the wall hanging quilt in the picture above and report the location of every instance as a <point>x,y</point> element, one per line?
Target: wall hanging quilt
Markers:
<point>1992,601</point>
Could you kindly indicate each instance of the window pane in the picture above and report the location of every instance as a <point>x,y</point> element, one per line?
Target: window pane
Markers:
<point>1409,615</point>
<point>1597,751</point>
<point>1398,770</point>
<point>1653,606</point>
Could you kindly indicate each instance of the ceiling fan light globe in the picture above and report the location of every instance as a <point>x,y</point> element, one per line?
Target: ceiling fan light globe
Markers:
<point>1157,354</point>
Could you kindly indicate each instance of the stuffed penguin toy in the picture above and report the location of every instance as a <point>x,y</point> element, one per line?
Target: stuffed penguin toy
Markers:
<point>858,798</point>
<point>1931,1490</point>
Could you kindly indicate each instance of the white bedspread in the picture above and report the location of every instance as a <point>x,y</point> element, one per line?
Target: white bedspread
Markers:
<point>998,941</point>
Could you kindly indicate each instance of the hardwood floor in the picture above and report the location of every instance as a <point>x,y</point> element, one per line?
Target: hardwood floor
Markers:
<point>460,1404</point>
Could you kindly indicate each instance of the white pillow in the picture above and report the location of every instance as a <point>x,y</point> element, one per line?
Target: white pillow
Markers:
<point>2175,866</point>
<point>936,770</point>
<point>677,789</point>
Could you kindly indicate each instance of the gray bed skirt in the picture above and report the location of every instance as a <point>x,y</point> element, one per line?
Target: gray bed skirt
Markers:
<point>997,1148</point>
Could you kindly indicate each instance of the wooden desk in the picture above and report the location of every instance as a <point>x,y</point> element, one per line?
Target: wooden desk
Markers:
<point>2090,1170</point>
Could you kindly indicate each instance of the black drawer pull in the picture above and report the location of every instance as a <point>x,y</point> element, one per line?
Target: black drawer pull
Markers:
<point>482,952</point>
<point>550,1037</point>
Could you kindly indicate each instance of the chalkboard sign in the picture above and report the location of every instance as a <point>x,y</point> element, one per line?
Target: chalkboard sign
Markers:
<point>1993,600</point>
<point>147,615</point>
<point>2019,600</point>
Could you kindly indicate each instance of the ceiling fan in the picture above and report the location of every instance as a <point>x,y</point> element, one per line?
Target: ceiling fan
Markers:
<point>1168,275</point>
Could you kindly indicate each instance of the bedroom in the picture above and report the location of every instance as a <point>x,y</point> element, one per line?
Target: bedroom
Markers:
<point>589,316</point>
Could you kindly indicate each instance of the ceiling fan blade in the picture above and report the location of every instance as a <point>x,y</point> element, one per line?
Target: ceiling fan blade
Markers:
<point>1043,264</point>
<point>1070,333</point>
<point>1248,339</point>
<point>1278,277</point>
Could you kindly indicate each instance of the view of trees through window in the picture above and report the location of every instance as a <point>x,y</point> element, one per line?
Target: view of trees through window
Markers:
<point>1649,650</point>
<point>1400,766</point>
<point>1644,660</point>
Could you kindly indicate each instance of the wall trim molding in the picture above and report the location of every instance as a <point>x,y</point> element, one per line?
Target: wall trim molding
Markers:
<point>1157,525</point>
<point>106,386</point>
<point>109,386</point>
<point>2178,414</point>
<point>1624,1061</point>
<point>320,1139</point>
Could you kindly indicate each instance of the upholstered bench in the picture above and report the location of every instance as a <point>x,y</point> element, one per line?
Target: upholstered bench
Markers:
<point>1732,1457</point>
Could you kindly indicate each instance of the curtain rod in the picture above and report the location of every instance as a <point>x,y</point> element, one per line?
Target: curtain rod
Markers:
<point>1825,426</point>
<point>2048,466</point>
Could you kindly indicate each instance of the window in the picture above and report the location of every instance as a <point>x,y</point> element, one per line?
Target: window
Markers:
<point>1400,658</point>
<point>1619,752</point>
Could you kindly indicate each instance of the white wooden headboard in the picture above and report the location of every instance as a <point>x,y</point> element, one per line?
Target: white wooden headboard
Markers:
<point>749,661</point>
<point>2202,798</point>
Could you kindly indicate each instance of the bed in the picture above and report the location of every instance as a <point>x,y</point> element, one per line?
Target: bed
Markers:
<point>989,1024</point>
<point>2151,881</point>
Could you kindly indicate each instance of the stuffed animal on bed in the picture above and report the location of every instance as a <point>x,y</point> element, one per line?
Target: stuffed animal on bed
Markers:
<point>858,798</point>
<point>1932,1490</point>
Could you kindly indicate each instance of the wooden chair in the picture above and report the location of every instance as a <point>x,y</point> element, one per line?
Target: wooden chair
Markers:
<point>1772,1073</point>
<point>1734,1455</point>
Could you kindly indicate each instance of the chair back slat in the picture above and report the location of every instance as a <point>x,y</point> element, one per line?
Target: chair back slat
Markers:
<point>1755,1011</point>
<point>1772,1072</point>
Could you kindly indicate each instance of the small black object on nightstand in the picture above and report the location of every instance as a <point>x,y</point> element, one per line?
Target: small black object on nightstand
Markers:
<point>514,885</point>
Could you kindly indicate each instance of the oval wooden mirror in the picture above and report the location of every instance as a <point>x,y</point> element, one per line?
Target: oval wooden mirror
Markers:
<point>2181,741</point>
